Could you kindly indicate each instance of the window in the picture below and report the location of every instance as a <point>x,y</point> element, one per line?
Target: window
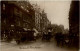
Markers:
<point>3,6</point>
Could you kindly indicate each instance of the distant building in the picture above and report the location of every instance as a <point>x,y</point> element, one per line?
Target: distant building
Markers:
<point>41,20</point>
<point>37,17</point>
<point>45,23</point>
<point>62,28</point>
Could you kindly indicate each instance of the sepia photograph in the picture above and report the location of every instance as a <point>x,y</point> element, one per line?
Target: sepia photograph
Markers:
<point>39,25</point>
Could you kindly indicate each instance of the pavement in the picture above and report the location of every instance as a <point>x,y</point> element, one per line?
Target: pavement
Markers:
<point>33,46</point>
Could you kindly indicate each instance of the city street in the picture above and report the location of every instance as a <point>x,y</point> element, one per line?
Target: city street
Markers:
<point>39,25</point>
<point>32,46</point>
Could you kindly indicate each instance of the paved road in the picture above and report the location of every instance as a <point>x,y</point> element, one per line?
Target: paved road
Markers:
<point>32,46</point>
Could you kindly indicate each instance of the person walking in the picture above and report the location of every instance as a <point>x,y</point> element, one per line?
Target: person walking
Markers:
<point>49,35</point>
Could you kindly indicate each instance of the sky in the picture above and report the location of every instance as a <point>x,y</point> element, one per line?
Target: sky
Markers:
<point>57,10</point>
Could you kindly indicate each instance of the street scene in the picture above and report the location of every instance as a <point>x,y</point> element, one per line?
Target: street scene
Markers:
<point>39,25</point>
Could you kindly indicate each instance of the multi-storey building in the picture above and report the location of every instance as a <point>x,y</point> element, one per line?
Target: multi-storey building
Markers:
<point>41,20</point>
<point>15,16</point>
<point>74,23</point>
<point>20,14</point>
<point>37,18</point>
<point>44,21</point>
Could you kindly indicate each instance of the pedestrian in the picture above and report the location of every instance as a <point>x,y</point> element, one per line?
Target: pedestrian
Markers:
<point>49,35</point>
<point>44,36</point>
<point>35,33</point>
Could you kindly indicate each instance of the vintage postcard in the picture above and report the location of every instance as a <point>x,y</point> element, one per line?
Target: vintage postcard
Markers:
<point>39,25</point>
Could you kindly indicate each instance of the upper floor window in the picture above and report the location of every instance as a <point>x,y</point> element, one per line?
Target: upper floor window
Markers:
<point>3,6</point>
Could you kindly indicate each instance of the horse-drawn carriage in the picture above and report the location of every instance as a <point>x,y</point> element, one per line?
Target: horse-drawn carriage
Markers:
<point>62,39</point>
<point>24,35</point>
<point>19,34</point>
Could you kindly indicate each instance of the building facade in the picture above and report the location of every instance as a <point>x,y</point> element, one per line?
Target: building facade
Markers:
<point>41,20</point>
<point>74,23</point>
<point>22,15</point>
<point>14,16</point>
